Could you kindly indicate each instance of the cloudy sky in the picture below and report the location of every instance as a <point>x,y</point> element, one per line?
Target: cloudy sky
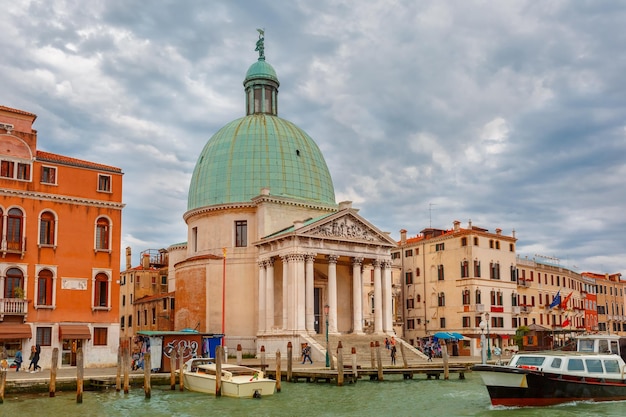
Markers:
<point>511,114</point>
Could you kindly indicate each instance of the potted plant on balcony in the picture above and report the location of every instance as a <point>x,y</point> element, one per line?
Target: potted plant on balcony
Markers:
<point>18,292</point>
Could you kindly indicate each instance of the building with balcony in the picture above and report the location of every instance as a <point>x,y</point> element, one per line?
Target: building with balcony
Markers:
<point>60,227</point>
<point>145,302</point>
<point>454,279</point>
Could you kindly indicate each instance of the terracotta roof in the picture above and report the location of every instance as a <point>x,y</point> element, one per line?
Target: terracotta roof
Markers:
<point>5,108</point>
<point>52,157</point>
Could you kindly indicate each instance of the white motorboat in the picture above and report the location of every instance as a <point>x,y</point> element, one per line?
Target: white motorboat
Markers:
<point>596,372</point>
<point>200,374</point>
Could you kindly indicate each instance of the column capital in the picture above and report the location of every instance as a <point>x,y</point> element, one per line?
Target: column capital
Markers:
<point>357,261</point>
<point>269,262</point>
<point>332,259</point>
<point>310,257</point>
<point>295,257</point>
<point>376,263</point>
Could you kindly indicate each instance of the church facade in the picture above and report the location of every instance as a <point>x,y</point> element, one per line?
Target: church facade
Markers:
<point>268,247</point>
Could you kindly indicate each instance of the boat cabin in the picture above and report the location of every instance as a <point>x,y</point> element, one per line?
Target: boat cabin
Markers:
<point>596,343</point>
<point>596,365</point>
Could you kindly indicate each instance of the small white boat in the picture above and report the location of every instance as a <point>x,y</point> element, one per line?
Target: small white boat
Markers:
<point>199,375</point>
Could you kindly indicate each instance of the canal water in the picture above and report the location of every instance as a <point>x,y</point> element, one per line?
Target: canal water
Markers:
<point>393,397</point>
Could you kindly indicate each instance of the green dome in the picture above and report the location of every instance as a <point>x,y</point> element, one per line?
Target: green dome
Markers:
<point>256,151</point>
<point>261,70</point>
<point>260,150</point>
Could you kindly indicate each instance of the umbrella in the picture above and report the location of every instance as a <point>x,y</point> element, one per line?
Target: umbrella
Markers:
<point>448,335</point>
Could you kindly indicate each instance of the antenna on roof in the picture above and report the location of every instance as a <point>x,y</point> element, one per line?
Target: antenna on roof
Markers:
<point>430,214</point>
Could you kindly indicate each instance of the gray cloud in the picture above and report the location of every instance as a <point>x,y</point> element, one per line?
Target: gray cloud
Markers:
<point>510,114</point>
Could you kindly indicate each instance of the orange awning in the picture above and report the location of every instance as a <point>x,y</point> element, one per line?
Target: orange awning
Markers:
<point>74,331</point>
<point>15,331</point>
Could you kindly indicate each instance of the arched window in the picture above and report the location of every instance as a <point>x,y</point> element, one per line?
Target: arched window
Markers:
<point>466,297</point>
<point>14,280</point>
<point>15,223</point>
<point>44,288</point>
<point>441,299</point>
<point>101,291</point>
<point>417,272</point>
<point>46,228</point>
<point>478,301</point>
<point>102,234</point>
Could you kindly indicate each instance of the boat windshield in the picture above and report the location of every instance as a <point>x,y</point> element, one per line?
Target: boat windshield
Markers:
<point>530,360</point>
<point>585,345</point>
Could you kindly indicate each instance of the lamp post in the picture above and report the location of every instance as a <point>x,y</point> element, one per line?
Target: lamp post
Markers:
<point>488,337</point>
<point>483,326</point>
<point>223,296</point>
<point>326,310</point>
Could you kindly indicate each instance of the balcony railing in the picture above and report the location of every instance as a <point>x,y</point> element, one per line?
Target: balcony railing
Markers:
<point>13,306</point>
<point>525,309</point>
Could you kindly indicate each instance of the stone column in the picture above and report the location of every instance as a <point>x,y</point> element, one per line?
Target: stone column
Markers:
<point>378,298</point>
<point>300,298</point>
<point>357,295</point>
<point>332,293</point>
<point>269,294</point>
<point>310,292</point>
<point>262,311</point>
<point>387,297</point>
<point>285,297</point>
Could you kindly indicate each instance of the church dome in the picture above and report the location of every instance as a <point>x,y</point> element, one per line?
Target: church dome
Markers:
<point>260,150</point>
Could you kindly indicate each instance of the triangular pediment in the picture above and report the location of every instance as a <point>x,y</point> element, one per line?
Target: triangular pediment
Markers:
<point>346,225</point>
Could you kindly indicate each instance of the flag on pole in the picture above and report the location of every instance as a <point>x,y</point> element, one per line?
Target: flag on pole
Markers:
<point>557,299</point>
<point>565,300</point>
<point>566,322</point>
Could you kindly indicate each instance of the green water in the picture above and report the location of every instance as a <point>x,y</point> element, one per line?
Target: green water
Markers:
<point>392,397</point>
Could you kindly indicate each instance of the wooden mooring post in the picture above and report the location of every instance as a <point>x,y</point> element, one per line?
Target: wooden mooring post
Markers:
<point>181,380</point>
<point>219,354</point>
<point>340,369</point>
<point>118,374</point>
<point>53,372</point>
<point>278,376</point>
<point>3,382</point>
<point>80,374</point>
<point>404,361</point>
<point>173,369</point>
<point>373,354</point>
<point>444,354</point>
<point>239,354</point>
<point>289,361</point>
<point>147,364</point>
<point>379,362</point>
<point>355,374</point>
<point>126,366</point>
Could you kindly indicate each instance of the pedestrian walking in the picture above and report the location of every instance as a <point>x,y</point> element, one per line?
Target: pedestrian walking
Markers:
<point>306,354</point>
<point>35,352</point>
<point>18,360</point>
<point>393,354</point>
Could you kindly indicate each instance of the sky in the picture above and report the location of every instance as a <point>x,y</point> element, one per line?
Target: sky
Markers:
<point>508,114</point>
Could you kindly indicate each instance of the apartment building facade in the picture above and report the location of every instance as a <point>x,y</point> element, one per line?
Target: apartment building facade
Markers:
<point>453,279</point>
<point>60,227</point>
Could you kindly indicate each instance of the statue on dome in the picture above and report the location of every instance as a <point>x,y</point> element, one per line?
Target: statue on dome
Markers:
<point>259,44</point>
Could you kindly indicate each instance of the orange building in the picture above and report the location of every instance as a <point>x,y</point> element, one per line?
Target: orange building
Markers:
<point>60,234</point>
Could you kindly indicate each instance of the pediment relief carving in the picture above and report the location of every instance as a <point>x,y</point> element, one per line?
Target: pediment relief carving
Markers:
<point>345,227</point>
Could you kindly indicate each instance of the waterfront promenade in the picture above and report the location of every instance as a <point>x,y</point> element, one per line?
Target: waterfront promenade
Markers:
<point>26,381</point>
